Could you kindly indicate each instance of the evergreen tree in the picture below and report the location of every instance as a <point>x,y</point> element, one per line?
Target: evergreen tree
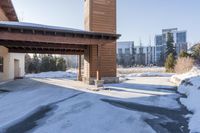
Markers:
<point>45,64</point>
<point>52,63</point>
<point>170,45</point>
<point>170,63</point>
<point>35,64</point>
<point>61,64</point>
<point>28,61</point>
<point>196,53</point>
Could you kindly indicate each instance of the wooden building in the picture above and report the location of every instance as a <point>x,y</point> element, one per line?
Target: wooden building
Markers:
<point>11,64</point>
<point>97,43</point>
<point>100,16</point>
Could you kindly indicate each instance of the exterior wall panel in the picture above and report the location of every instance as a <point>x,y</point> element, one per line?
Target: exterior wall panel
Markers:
<point>8,58</point>
<point>2,15</point>
<point>101,15</point>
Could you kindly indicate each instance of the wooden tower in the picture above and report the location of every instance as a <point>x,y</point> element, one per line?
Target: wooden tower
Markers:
<point>100,16</point>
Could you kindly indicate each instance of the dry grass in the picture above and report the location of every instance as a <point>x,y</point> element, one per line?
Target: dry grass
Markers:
<point>140,70</point>
<point>184,64</point>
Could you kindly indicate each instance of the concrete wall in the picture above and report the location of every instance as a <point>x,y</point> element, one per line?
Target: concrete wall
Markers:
<point>2,15</point>
<point>8,58</point>
<point>8,64</point>
<point>21,58</point>
<point>4,53</point>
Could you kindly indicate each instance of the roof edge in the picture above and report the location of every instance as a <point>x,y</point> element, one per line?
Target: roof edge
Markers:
<point>8,8</point>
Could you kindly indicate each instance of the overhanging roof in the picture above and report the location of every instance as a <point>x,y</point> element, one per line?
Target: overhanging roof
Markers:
<point>36,38</point>
<point>54,29</point>
<point>9,10</point>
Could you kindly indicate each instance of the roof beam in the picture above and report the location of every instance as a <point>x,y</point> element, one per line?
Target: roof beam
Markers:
<point>41,45</point>
<point>49,51</point>
<point>50,39</point>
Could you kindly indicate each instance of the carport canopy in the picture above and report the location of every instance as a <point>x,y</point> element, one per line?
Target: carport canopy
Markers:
<point>20,37</point>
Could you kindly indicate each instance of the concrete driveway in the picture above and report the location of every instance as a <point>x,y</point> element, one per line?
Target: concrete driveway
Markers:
<point>140,105</point>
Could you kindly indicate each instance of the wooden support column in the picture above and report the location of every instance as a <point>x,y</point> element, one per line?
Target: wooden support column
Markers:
<point>79,68</point>
<point>98,62</point>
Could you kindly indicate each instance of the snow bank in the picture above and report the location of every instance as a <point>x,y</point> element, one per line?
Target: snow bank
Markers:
<point>178,78</point>
<point>190,86</point>
<point>57,74</point>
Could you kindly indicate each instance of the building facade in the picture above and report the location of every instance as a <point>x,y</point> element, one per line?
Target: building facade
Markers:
<point>180,42</point>
<point>125,53</point>
<point>145,55</point>
<point>131,55</point>
<point>11,64</point>
<point>100,16</point>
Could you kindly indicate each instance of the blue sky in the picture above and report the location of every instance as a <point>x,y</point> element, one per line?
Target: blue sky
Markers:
<point>136,19</point>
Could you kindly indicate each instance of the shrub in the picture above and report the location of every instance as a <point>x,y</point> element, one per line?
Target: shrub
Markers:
<point>61,64</point>
<point>184,64</point>
<point>184,54</point>
<point>196,53</point>
<point>170,63</point>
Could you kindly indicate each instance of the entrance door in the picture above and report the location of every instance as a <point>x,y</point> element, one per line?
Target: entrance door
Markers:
<point>16,69</point>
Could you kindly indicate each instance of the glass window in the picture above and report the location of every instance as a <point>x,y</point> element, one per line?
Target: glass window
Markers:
<point>1,64</point>
<point>181,37</point>
<point>158,40</point>
<point>127,50</point>
<point>119,51</point>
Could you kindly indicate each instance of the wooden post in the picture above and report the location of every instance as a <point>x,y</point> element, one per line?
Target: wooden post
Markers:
<point>79,68</point>
<point>98,62</point>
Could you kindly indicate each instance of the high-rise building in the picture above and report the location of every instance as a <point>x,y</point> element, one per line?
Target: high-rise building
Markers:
<point>180,42</point>
<point>130,55</point>
<point>125,53</point>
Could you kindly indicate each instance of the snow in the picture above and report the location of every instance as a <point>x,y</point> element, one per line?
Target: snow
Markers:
<point>130,73</point>
<point>74,110</point>
<point>78,110</point>
<point>189,84</point>
<point>57,74</point>
<point>178,78</point>
<point>140,70</point>
<point>39,26</point>
<point>98,116</point>
<point>124,77</point>
<point>149,90</point>
<point>14,108</point>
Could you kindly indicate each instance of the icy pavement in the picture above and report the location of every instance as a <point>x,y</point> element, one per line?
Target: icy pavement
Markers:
<point>139,105</point>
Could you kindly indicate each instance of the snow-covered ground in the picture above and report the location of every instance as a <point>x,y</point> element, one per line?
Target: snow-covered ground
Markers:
<point>72,73</point>
<point>189,84</point>
<point>145,74</point>
<point>131,106</point>
<point>131,73</point>
<point>140,70</point>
